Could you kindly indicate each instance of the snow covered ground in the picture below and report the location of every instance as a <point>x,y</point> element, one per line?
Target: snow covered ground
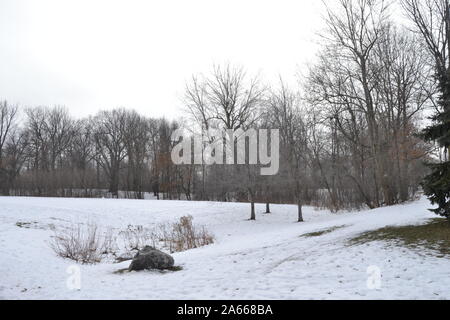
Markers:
<point>266,259</point>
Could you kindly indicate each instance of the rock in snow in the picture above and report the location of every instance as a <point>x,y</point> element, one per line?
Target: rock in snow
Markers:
<point>150,258</point>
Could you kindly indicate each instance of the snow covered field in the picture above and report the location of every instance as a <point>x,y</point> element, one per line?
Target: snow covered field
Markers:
<point>266,259</point>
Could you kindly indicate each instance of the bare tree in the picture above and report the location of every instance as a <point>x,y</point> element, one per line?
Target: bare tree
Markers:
<point>110,145</point>
<point>137,143</point>
<point>284,112</point>
<point>226,100</point>
<point>403,85</point>
<point>369,86</point>
<point>82,154</point>
<point>8,116</point>
<point>153,126</point>
<point>431,19</point>
<point>51,131</point>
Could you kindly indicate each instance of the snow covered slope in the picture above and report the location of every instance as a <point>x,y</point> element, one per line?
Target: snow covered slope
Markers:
<point>266,259</point>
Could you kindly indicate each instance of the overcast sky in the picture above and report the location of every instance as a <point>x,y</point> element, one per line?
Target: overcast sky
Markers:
<point>100,54</point>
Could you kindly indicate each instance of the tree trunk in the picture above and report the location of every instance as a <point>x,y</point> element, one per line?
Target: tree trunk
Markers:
<point>267,207</point>
<point>253,215</point>
<point>114,184</point>
<point>300,211</point>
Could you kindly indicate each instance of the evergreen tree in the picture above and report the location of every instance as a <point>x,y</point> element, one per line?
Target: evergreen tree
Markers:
<point>437,185</point>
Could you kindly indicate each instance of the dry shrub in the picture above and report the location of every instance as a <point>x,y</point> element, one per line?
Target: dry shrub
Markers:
<point>109,242</point>
<point>183,235</point>
<point>83,243</point>
<point>136,238</point>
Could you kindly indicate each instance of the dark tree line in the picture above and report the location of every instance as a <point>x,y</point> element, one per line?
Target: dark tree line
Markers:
<point>51,154</point>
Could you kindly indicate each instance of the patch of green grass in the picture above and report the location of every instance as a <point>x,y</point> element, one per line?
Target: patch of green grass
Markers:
<point>26,225</point>
<point>434,235</point>
<point>321,233</point>
<point>34,225</point>
<point>175,268</point>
